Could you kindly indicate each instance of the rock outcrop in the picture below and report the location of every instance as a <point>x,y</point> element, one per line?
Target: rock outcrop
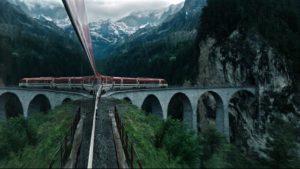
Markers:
<point>246,59</point>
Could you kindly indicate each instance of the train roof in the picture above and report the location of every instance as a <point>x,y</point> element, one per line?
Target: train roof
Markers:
<point>96,77</point>
<point>38,78</point>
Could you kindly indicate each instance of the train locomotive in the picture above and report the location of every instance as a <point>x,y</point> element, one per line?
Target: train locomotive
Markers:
<point>91,83</point>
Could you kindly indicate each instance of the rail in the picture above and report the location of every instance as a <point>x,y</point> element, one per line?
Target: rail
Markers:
<point>91,149</point>
<point>73,92</point>
<point>130,153</point>
<point>114,91</point>
<point>65,145</point>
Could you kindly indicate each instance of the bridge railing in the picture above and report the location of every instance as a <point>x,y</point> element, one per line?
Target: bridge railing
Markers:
<point>131,155</point>
<point>60,157</point>
<point>187,87</point>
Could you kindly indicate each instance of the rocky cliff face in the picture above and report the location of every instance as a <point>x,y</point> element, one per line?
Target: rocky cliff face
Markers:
<point>242,60</point>
<point>247,59</point>
<point>187,17</point>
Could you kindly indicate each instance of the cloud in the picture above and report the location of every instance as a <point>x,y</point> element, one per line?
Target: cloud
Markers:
<point>114,9</point>
<point>43,3</point>
<point>108,9</point>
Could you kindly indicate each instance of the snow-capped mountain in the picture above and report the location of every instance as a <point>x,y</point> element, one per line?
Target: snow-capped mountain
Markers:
<point>110,31</point>
<point>105,33</point>
<point>54,12</point>
<point>175,29</point>
<point>141,19</point>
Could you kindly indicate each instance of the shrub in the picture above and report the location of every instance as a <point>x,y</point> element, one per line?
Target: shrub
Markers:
<point>15,134</point>
<point>282,147</point>
<point>170,144</point>
<point>33,142</point>
<point>179,142</point>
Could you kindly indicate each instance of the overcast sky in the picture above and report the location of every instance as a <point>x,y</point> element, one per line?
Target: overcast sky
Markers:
<point>111,9</point>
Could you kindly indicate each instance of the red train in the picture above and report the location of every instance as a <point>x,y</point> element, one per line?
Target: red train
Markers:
<point>91,83</point>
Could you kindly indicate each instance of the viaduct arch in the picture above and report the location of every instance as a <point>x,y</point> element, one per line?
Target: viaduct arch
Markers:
<point>18,101</point>
<point>39,104</point>
<point>152,105</point>
<point>183,103</point>
<point>10,106</point>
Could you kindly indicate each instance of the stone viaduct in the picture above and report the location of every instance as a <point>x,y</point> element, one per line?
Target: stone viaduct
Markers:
<point>159,102</point>
<point>35,100</point>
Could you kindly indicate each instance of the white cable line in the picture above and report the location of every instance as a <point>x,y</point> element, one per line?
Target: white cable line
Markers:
<point>91,151</point>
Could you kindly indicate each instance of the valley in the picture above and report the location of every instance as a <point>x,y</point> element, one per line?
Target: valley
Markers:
<point>232,70</point>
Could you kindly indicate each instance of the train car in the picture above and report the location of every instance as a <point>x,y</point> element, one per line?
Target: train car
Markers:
<point>106,79</point>
<point>128,82</point>
<point>88,83</point>
<point>124,82</point>
<point>91,83</point>
<point>62,83</point>
<point>163,83</point>
<point>39,82</point>
<point>23,82</point>
<point>150,83</point>
<point>45,82</point>
<point>76,82</point>
<point>117,82</point>
<point>106,82</point>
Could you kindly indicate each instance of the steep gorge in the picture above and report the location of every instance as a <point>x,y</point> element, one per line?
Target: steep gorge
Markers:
<point>236,50</point>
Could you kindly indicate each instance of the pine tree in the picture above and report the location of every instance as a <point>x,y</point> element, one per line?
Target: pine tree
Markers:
<point>282,148</point>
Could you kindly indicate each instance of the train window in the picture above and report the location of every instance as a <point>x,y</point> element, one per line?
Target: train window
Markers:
<point>150,82</point>
<point>61,80</point>
<point>86,81</point>
<point>109,80</point>
<point>129,81</point>
<point>117,81</point>
<point>76,81</point>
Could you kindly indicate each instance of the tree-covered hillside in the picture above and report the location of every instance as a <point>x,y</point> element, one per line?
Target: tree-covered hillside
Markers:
<point>167,51</point>
<point>278,21</point>
<point>160,59</point>
<point>29,56</point>
<point>31,47</point>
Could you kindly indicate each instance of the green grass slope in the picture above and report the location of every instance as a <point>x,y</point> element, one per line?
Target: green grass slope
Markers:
<point>33,143</point>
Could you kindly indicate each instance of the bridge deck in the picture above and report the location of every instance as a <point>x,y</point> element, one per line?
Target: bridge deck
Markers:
<point>114,91</point>
<point>104,149</point>
<point>87,114</point>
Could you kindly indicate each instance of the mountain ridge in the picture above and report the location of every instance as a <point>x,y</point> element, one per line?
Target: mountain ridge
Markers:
<point>164,46</point>
<point>105,33</point>
<point>31,47</point>
<point>125,27</point>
